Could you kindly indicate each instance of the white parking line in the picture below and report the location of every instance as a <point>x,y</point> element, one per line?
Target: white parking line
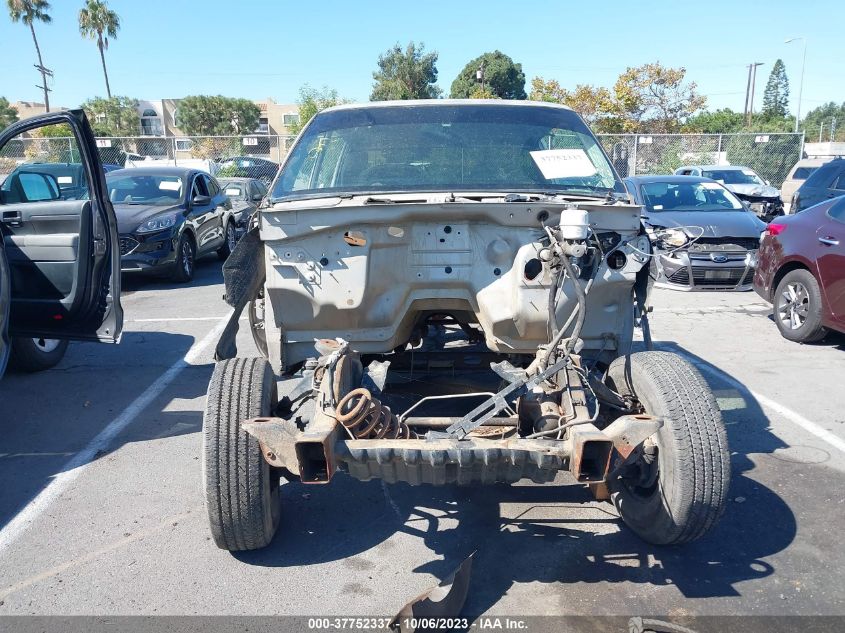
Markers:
<point>73,468</point>
<point>725,308</point>
<point>166,319</point>
<point>789,414</point>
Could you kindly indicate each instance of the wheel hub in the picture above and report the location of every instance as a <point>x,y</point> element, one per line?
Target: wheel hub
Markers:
<point>794,305</point>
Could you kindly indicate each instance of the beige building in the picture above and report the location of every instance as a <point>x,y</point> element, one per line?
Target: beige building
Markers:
<point>158,117</point>
<point>27,109</point>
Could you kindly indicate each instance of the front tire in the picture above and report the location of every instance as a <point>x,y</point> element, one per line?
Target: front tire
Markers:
<point>230,236</point>
<point>798,307</point>
<point>36,354</point>
<point>676,487</point>
<point>186,255</point>
<point>242,491</point>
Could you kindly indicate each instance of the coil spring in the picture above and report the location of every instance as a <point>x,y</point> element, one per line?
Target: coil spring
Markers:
<point>367,418</point>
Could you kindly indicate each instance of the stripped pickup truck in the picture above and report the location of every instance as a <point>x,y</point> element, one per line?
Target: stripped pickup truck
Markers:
<point>446,292</point>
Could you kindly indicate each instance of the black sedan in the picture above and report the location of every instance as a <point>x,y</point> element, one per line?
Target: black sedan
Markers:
<point>703,236</point>
<point>245,194</point>
<point>168,217</point>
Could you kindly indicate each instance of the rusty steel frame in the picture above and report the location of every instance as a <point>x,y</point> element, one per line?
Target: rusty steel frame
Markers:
<point>315,453</point>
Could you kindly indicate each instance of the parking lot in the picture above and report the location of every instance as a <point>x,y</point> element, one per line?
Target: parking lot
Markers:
<point>103,511</point>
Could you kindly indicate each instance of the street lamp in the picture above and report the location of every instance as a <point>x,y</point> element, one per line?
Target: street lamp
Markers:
<point>801,83</point>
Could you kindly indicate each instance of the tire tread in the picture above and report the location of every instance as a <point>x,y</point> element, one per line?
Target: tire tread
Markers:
<point>701,469</point>
<point>235,471</point>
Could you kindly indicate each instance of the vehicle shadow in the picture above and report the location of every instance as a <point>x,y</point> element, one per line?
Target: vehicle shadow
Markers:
<point>833,338</point>
<point>520,539</point>
<point>48,417</point>
<point>208,272</point>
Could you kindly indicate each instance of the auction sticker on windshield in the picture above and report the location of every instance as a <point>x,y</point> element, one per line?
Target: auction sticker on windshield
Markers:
<point>170,185</point>
<point>563,163</point>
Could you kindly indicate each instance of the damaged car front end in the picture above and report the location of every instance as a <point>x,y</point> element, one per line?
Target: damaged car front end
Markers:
<point>703,237</point>
<point>449,292</point>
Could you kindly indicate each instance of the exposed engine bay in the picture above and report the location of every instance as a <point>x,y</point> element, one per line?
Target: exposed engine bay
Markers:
<point>373,273</point>
<point>507,288</point>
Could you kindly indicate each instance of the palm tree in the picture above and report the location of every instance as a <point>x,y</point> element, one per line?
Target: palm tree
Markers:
<point>29,12</point>
<point>98,22</point>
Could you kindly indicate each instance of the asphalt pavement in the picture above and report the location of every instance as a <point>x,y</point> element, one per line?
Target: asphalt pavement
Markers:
<point>102,511</point>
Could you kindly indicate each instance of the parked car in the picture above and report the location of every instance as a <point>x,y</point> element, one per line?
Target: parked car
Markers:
<point>168,217</point>
<point>703,237</point>
<point>249,167</point>
<point>745,183</point>
<point>506,221</point>
<point>59,260</point>
<point>796,177</point>
<point>245,194</point>
<point>802,271</point>
<point>828,181</point>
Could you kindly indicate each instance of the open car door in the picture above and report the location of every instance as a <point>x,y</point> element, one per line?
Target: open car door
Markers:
<point>59,261</point>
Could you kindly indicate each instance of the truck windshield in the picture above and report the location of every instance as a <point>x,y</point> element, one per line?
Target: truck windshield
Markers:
<point>440,147</point>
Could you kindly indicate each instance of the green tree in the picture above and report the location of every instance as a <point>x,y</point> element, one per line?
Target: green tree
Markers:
<point>115,116</point>
<point>501,76</point>
<point>594,104</point>
<point>724,121</point>
<point>203,115</point>
<point>29,12</point>
<point>408,74</point>
<point>313,100</point>
<point>547,90</point>
<point>50,144</point>
<point>821,121</point>
<point>8,114</point>
<point>776,95</point>
<point>655,98</point>
<point>98,22</point>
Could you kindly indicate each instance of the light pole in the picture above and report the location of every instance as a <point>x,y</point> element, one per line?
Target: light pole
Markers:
<point>801,83</point>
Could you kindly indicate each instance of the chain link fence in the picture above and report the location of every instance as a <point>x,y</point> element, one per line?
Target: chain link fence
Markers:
<point>120,151</point>
<point>217,149</point>
<point>770,155</point>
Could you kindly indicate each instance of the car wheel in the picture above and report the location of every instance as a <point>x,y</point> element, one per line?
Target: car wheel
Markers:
<point>242,490</point>
<point>798,307</point>
<point>36,354</point>
<point>186,256</point>
<point>231,239</point>
<point>675,486</point>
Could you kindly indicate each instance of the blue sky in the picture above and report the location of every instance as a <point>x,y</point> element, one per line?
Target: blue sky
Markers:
<point>269,48</point>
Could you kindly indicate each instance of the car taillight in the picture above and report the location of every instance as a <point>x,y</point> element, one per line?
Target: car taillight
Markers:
<point>775,228</point>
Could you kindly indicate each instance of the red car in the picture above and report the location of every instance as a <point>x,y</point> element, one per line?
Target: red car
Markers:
<point>801,271</point>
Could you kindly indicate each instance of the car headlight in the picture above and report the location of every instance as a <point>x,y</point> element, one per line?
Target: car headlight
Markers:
<point>158,223</point>
<point>672,237</point>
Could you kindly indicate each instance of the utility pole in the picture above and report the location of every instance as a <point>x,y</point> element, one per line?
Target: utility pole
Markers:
<point>45,72</point>
<point>752,68</point>
<point>479,75</point>
<point>800,85</point>
<point>821,131</point>
<point>832,129</point>
<point>749,91</point>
